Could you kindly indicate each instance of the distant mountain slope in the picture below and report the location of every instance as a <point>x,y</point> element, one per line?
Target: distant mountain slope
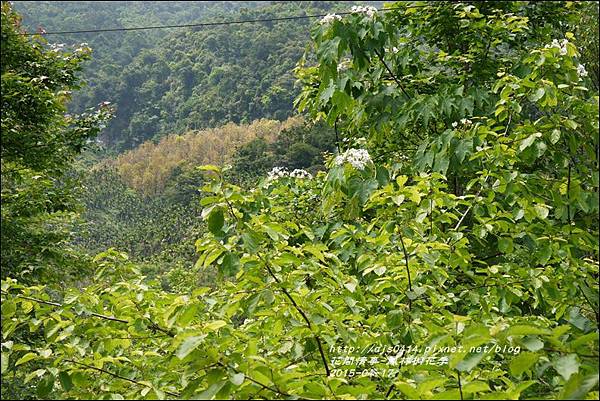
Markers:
<point>146,201</point>
<point>149,167</point>
<point>170,81</point>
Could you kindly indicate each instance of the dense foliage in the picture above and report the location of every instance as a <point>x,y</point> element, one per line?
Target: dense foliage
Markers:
<point>145,202</point>
<point>38,144</point>
<point>151,167</point>
<point>448,251</point>
<point>172,81</point>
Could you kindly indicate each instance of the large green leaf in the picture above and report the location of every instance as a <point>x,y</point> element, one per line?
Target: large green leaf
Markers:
<point>566,365</point>
<point>216,220</point>
<point>522,363</point>
<point>189,345</point>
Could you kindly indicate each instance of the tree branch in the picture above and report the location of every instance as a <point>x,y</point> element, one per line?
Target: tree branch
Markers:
<point>407,267</point>
<point>118,376</point>
<point>41,301</point>
<point>287,294</point>
<point>264,386</point>
<point>459,385</point>
<point>337,139</point>
<point>591,305</point>
<point>470,206</point>
<point>392,74</point>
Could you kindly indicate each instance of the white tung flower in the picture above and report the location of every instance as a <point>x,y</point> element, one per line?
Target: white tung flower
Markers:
<point>463,121</point>
<point>276,173</point>
<point>581,71</point>
<point>562,46</point>
<point>300,173</point>
<point>368,10</point>
<point>281,172</point>
<point>343,65</point>
<point>57,47</point>
<point>358,158</point>
<point>339,160</point>
<point>329,18</point>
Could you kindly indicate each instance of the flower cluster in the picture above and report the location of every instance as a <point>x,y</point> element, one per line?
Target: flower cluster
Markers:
<point>369,10</point>
<point>57,47</point>
<point>562,46</point>
<point>83,47</point>
<point>277,172</point>
<point>343,65</point>
<point>581,71</point>
<point>300,173</point>
<point>393,50</point>
<point>281,172</point>
<point>464,121</point>
<point>329,18</point>
<point>358,158</point>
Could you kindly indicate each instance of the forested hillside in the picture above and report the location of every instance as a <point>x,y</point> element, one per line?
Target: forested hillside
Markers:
<point>392,203</point>
<point>170,81</point>
<point>146,201</point>
<point>149,167</point>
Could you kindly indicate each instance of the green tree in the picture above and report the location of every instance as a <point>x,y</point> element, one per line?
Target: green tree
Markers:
<point>464,269</point>
<point>298,147</point>
<point>39,141</point>
<point>165,82</point>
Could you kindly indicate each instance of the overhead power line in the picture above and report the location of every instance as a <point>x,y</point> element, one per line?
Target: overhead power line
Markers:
<point>201,24</point>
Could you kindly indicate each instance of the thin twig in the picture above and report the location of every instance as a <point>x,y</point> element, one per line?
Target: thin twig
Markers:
<point>591,305</point>
<point>392,74</point>
<point>569,196</point>
<point>569,352</point>
<point>118,376</point>
<point>337,139</point>
<point>231,211</point>
<point>131,337</point>
<point>430,209</point>
<point>406,261</point>
<point>392,386</point>
<point>41,301</point>
<point>153,325</point>
<point>508,124</point>
<point>494,285</point>
<point>287,294</point>
<point>471,205</point>
<point>264,386</point>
